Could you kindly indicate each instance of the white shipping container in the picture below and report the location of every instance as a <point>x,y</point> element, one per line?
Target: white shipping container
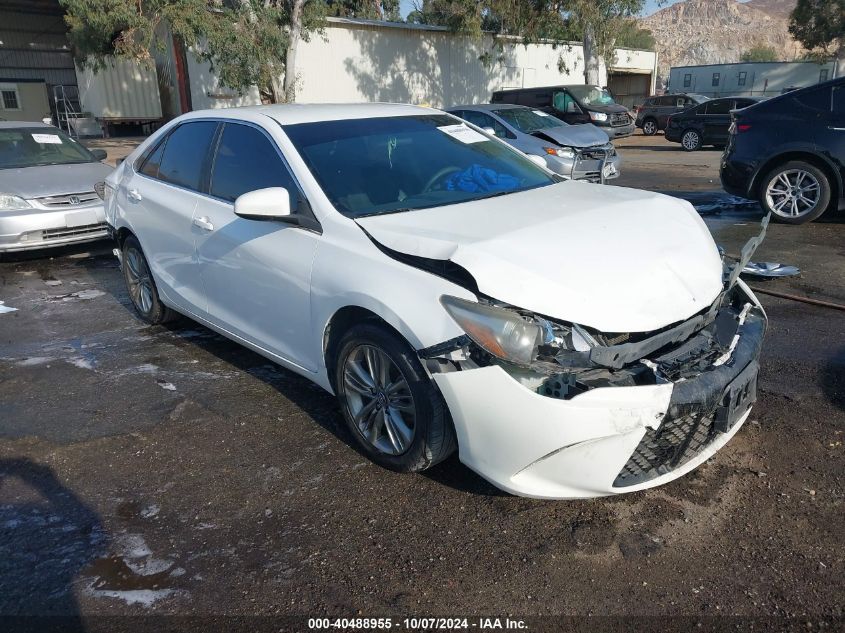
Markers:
<point>124,90</point>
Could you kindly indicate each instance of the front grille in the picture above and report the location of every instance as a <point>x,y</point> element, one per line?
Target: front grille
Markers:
<point>69,200</point>
<point>87,229</point>
<point>674,443</point>
<point>619,118</point>
<point>593,153</point>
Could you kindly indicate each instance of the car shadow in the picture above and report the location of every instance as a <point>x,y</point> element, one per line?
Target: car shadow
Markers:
<point>832,380</point>
<point>318,404</point>
<point>47,536</point>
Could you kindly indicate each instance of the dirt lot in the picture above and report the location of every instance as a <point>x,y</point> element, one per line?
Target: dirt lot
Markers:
<point>149,470</point>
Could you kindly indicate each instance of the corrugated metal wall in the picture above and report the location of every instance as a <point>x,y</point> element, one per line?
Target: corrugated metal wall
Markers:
<point>123,90</point>
<point>34,45</point>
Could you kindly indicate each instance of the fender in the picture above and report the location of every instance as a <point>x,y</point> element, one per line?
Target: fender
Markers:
<point>806,148</point>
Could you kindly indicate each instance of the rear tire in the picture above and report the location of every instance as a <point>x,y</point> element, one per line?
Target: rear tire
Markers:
<point>392,408</point>
<point>141,286</point>
<point>691,140</point>
<point>795,192</point>
<point>650,127</point>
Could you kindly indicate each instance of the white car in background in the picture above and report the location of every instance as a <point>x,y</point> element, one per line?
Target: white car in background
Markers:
<point>571,340</point>
<point>47,193</point>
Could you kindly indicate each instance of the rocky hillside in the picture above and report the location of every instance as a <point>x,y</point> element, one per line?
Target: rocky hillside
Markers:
<point>719,31</point>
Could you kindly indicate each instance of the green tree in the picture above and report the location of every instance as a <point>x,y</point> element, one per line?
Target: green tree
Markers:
<point>759,53</point>
<point>597,23</point>
<point>366,9</point>
<point>820,25</point>
<point>247,42</point>
<point>630,35</point>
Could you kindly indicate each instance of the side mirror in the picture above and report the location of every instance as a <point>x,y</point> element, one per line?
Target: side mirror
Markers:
<point>272,203</point>
<point>571,108</point>
<point>489,130</point>
<point>537,160</point>
<point>99,154</point>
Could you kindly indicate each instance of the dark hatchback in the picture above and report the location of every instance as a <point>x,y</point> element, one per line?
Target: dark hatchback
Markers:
<point>789,153</point>
<point>706,123</point>
<point>574,105</point>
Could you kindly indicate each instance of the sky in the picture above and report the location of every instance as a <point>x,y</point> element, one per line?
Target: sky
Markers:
<point>406,6</point>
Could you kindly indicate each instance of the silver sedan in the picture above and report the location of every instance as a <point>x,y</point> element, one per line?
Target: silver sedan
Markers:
<point>579,152</point>
<point>47,195</point>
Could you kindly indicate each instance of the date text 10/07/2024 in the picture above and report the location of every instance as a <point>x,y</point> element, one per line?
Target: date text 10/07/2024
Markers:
<point>419,624</point>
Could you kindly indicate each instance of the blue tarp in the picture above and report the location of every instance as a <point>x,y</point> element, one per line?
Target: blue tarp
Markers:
<point>478,178</point>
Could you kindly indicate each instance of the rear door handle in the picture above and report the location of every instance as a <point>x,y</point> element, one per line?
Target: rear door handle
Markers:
<point>133,195</point>
<point>204,223</point>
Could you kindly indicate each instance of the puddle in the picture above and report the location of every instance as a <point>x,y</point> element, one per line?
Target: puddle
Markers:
<point>132,574</point>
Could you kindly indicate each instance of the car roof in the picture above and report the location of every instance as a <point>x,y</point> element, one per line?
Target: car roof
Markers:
<point>489,107</point>
<point>5,125</point>
<point>293,113</point>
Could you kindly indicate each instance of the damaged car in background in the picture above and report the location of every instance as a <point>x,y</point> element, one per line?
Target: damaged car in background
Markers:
<point>569,340</point>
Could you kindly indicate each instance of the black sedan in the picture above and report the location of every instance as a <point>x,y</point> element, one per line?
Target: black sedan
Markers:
<point>789,153</point>
<point>706,123</point>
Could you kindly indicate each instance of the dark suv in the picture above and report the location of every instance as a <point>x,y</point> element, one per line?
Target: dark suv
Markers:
<point>653,114</point>
<point>789,152</point>
<point>574,105</point>
<point>705,124</point>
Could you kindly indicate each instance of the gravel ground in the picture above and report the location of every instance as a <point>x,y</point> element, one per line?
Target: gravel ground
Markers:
<point>168,471</point>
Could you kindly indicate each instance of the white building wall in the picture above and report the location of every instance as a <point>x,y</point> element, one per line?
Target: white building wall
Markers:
<point>208,93</point>
<point>364,61</point>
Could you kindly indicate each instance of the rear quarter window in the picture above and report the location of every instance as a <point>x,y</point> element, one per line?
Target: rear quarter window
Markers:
<point>186,153</point>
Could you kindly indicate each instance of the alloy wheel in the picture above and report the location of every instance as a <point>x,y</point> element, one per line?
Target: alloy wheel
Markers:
<point>379,400</point>
<point>649,128</point>
<point>690,141</point>
<point>139,280</point>
<point>793,193</point>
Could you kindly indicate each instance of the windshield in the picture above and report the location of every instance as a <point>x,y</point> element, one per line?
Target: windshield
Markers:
<point>528,121</point>
<point>393,164</point>
<point>36,146</point>
<point>591,95</point>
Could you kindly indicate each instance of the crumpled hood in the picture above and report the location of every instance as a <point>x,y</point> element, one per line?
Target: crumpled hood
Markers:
<point>585,135</point>
<point>615,259</point>
<point>52,180</point>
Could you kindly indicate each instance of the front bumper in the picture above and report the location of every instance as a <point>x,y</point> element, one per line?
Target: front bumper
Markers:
<point>618,131</point>
<point>607,440</point>
<point>584,168</point>
<point>30,229</point>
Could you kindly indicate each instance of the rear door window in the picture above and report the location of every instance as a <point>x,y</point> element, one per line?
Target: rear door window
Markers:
<point>718,107</point>
<point>819,100</point>
<point>247,160</point>
<point>186,154</point>
<point>484,120</point>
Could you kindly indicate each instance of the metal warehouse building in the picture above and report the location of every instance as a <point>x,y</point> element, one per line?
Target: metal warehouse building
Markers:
<point>765,79</point>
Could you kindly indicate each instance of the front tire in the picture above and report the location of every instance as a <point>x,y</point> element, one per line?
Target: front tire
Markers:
<point>691,140</point>
<point>141,285</point>
<point>390,405</point>
<point>649,127</point>
<point>795,192</point>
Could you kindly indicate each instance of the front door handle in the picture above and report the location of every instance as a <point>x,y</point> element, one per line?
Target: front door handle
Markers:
<point>837,129</point>
<point>133,195</point>
<point>204,223</point>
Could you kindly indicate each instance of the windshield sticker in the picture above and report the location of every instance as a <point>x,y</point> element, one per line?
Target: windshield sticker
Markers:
<point>540,113</point>
<point>50,139</point>
<point>463,133</point>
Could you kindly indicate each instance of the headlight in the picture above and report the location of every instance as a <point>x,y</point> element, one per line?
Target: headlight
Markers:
<point>562,152</point>
<point>8,202</point>
<point>598,116</point>
<point>503,333</point>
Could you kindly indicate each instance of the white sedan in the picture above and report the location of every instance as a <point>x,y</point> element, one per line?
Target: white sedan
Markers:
<point>569,340</point>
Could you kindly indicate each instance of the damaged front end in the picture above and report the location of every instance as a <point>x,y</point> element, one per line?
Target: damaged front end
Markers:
<point>710,360</point>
